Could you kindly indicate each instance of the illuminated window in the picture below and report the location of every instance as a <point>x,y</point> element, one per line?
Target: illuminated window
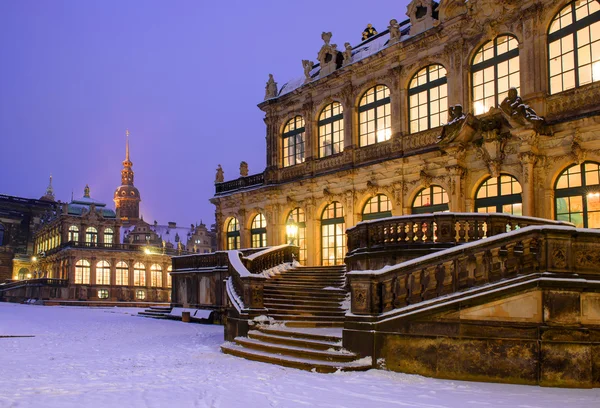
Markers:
<point>156,276</point>
<point>331,130</point>
<point>91,235</point>
<point>82,272</point>
<point>499,195</point>
<point>495,70</point>
<point>377,207</point>
<point>102,273</point>
<point>574,46</point>
<point>427,98</point>
<point>333,235</point>
<point>23,274</point>
<point>102,293</point>
<point>233,234</point>
<point>577,195</point>
<point>169,277</point>
<point>73,233</point>
<point>1,234</point>
<point>140,294</point>
<point>258,231</point>
<point>429,200</point>
<point>298,218</point>
<point>374,116</point>
<point>139,274</point>
<point>108,236</point>
<point>122,274</point>
<point>293,142</point>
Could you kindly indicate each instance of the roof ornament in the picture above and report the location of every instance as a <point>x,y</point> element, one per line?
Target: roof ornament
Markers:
<point>220,177</point>
<point>127,145</point>
<point>49,196</point>
<point>328,56</point>
<point>308,66</point>
<point>244,169</point>
<point>271,88</point>
<point>86,191</point>
<point>347,53</point>
<point>369,32</point>
<point>394,28</point>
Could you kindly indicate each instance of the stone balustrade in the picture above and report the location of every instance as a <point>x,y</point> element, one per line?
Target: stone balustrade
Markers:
<point>550,248</point>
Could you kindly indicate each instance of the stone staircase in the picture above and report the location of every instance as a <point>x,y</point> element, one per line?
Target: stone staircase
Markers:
<point>307,308</point>
<point>157,312</point>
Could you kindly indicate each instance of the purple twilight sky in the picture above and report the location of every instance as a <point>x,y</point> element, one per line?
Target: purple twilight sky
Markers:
<point>184,76</point>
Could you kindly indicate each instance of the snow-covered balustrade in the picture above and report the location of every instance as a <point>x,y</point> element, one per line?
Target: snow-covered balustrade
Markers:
<point>199,261</point>
<point>240,183</point>
<point>374,243</point>
<point>562,250</point>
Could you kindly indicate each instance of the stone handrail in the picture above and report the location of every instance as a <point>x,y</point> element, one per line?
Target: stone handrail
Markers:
<point>35,282</point>
<point>198,261</point>
<point>151,250</point>
<point>240,183</point>
<point>550,248</point>
<point>442,228</point>
<point>245,284</point>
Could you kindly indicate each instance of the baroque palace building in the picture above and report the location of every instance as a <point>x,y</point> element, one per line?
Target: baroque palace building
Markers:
<point>360,135</point>
<point>83,250</point>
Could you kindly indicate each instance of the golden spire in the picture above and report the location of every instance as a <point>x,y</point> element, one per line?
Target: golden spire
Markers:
<point>127,146</point>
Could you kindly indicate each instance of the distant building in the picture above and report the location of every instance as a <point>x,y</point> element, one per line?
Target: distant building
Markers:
<point>84,250</point>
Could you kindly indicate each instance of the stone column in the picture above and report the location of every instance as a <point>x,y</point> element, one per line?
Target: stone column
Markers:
<point>130,264</point>
<point>350,116</point>
<point>456,193</point>
<point>93,271</point>
<point>528,160</point>
<point>310,131</point>
<point>113,271</point>
<point>311,223</point>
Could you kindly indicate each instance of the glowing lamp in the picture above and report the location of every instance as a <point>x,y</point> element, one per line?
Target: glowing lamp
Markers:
<point>291,231</point>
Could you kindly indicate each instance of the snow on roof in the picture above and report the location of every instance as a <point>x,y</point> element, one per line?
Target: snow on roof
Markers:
<point>165,232</point>
<point>363,50</point>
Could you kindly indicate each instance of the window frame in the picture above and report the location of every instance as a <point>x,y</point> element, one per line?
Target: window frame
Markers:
<point>139,277</point>
<point>122,274</point>
<point>432,208</point>
<point>83,269</point>
<point>294,217</point>
<point>291,135</point>
<point>233,236</point>
<point>498,200</point>
<point>258,234</point>
<point>374,105</point>
<point>378,214</point>
<point>493,62</point>
<point>580,191</point>
<point>100,280</point>
<point>328,123</point>
<point>427,86</point>
<point>337,219</point>
<point>571,29</point>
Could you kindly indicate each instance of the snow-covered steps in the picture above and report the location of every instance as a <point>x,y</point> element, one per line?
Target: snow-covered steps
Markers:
<point>157,312</point>
<point>298,349</point>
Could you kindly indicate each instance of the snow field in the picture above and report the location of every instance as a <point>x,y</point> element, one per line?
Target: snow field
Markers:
<point>93,357</point>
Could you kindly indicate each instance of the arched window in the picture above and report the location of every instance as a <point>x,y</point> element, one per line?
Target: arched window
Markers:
<point>574,46</point>
<point>102,273</point>
<point>82,272</point>
<point>73,234</point>
<point>169,277</point>
<point>139,274</point>
<point>333,235</point>
<point>495,70</point>
<point>108,236</point>
<point>499,195</point>
<point>122,271</point>
<point>377,207</point>
<point>91,235</point>
<point>233,234</point>
<point>429,200</point>
<point>1,234</point>
<point>23,274</point>
<point>427,98</point>
<point>293,142</point>
<point>156,276</point>
<point>577,195</point>
<point>374,116</point>
<point>331,130</point>
<point>258,231</point>
<point>297,218</point>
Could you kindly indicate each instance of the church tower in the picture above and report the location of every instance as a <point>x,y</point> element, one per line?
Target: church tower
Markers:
<point>127,197</point>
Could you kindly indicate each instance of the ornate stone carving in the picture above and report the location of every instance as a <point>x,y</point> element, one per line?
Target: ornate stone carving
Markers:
<point>347,53</point>
<point>394,28</point>
<point>307,65</point>
<point>574,100</point>
<point>425,178</point>
<point>243,169</point>
<point>328,55</point>
<point>517,110</point>
<point>271,88</point>
<point>559,258</point>
<point>420,13</point>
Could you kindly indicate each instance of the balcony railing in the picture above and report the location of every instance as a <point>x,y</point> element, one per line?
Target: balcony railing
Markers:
<point>240,183</point>
<point>35,282</point>
<point>150,250</point>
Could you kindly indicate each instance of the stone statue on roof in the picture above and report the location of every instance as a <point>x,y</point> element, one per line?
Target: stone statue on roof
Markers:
<point>271,88</point>
<point>394,28</point>
<point>220,177</point>
<point>514,106</point>
<point>244,169</point>
<point>308,66</point>
<point>369,32</point>
<point>326,36</point>
<point>347,53</point>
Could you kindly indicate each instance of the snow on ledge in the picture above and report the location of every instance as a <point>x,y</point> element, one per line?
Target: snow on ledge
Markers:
<point>473,244</point>
<point>265,251</point>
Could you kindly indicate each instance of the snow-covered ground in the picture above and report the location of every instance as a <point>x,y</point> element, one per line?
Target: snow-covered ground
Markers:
<point>93,357</point>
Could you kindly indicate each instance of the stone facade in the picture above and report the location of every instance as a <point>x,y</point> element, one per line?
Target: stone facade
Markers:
<point>505,139</point>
